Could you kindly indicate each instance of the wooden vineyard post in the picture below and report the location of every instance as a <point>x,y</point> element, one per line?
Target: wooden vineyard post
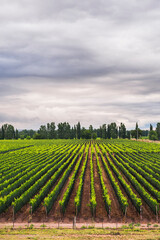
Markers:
<point>74,222</point>
<point>45,211</point>
<point>109,214</point>
<point>125,214</point>
<point>156,214</point>
<point>102,223</point>
<point>58,223</point>
<point>31,212</point>
<point>141,213</point>
<point>13,216</point>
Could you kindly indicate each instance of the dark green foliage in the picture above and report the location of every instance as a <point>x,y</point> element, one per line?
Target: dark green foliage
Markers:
<point>112,131</point>
<point>8,131</point>
<point>91,130</point>
<point>64,130</point>
<point>158,130</point>
<point>151,127</point>
<point>16,134</point>
<point>78,130</point>
<point>36,136</point>
<point>104,131</point>
<point>153,135</point>
<point>43,132</point>
<point>137,132</point>
<point>122,131</point>
<point>128,134</point>
<point>2,133</point>
<point>51,130</point>
<point>73,132</point>
<point>26,133</point>
<point>85,134</point>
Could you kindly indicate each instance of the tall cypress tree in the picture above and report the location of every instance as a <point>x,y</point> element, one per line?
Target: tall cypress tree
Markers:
<point>136,130</point>
<point>151,127</point>
<point>3,134</point>
<point>78,130</point>
<point>158,130</point>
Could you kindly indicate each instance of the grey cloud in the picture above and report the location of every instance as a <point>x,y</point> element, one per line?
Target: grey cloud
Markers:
<point>79,60</point>
<point>8,90</point>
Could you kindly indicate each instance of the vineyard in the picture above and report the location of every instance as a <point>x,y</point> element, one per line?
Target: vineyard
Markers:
<point>104,180</point>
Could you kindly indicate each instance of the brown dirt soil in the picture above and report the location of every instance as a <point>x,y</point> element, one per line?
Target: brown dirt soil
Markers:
<point>70,209</point>
<point>85,211</point>
<point>7,216</point>
<point>55,212</point>
<point>148,215</point>
<point>101,212</point>
<point>40,212</point>
<point>116,213</point>
<point>132,213</point>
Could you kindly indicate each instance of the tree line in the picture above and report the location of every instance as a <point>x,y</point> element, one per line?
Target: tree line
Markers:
<point>65,131</point>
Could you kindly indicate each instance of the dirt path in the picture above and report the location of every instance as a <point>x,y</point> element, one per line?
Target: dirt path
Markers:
<point>85,211</point>
<point>70,209</point>
<point>132,213</point>
<point>101,213</point>
<point>148,215</point>
<point>116,213</point>
<point>55,212</point>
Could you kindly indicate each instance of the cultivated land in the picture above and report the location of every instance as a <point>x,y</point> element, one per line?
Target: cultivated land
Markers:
<point>105,181</point>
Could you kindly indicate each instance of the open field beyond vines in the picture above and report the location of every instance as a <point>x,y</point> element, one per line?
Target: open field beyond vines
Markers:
<point>102,180</point>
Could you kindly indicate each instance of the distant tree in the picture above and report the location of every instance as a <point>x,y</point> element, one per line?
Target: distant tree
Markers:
<point>151,127</point>
<point>51,130</point>
<point>145,133</point>
<point>8,131</point>
<point>91,130</point>
<point>26,133</point>
<point>153,135</point>
<point>134,133</point>
<point>158,130</point>
<point>112,130</point>
<point>22,137</point>
<point>94,135</point>
<point>16,134</point>
<point>3,134</point>
<point>36,136</point>
<point>108,131</point>
<point>99,132</point>
<point>78,130</point>
<point>104,131</point>
<point>128,134</point>
<point>64,130</point>
<point>43,132</point>
<point>31,132</point>
<point>85,133</point>
<point>136,136</point>
<point>28,137</point>
<point>122,131</point>
<point>73,132</point>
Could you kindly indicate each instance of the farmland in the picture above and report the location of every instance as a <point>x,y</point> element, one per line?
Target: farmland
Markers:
<point>104,180</point>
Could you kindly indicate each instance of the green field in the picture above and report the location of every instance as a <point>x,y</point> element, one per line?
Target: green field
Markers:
<point>104,180</point>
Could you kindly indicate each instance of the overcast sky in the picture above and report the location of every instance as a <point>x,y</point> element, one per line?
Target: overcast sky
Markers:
<point>90,61</point>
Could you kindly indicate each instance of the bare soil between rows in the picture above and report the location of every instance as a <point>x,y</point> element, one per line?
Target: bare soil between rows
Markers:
<point>85,215</point>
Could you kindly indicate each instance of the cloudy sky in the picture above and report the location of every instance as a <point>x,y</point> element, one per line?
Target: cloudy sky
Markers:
<point>90,61</point>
